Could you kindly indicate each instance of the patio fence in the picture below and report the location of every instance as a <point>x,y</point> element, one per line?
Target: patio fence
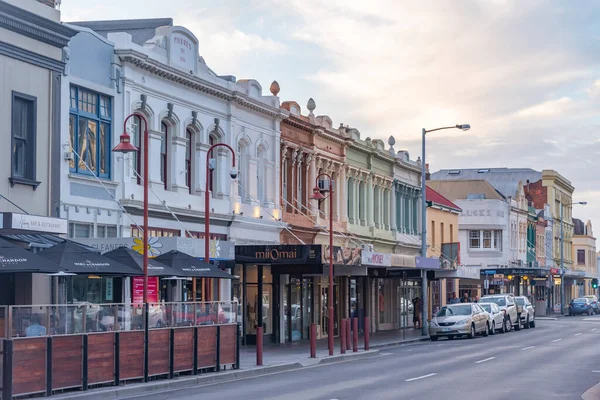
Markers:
<point>51,348</point>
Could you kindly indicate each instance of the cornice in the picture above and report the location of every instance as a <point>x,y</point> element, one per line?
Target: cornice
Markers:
<point>298,123</point>
<point>144,62</point>
<point>31,25</point>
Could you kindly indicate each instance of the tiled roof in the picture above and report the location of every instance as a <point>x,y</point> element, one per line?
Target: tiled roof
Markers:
<point>437,198</point>
<point>141,30</point>
<point>465,189</point>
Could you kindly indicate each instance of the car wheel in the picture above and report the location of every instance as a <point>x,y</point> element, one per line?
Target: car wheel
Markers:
<point>532,324</point>
<point>493,330</point>
<point>486,332</point>
<point>434,338</point>
<point>508,324</point>
<point>472,333</point>
<point>527,323</point>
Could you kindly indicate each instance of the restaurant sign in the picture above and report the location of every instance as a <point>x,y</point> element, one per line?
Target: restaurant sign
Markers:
<point>33,223</point>
<point>279,254</point>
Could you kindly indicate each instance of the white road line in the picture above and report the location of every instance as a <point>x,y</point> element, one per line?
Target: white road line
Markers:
<point>594,329</point>
<point>577,334</point>
<point>596,371</point>
<point>482,361</point>
<point>527,348</point>
<point>420,377</point>
<point>556,340</point>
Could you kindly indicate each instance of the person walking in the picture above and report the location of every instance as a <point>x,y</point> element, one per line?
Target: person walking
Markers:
<point>417,312</point>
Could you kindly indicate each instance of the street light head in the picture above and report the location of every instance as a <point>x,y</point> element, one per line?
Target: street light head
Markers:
<point>125,145</point>
<point>464,127</point>
<point>317,194</point>
<point>583,203</point>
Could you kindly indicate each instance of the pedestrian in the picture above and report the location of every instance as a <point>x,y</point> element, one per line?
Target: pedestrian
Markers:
<point>417,312</point>
<point>454,299</point>
<point>476,299</point>
<point>465,298</point>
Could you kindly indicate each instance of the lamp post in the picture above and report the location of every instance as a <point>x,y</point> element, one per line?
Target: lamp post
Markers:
<point>209,167</point>
<point>425,301</point>
<point>319,197</point>
<point>562,258</point>
<point>125,147</point>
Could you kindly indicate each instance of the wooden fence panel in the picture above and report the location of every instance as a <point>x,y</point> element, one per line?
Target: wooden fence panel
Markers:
<point>228,344</point>
<point>67,362</point>
<point>158,351</point>
<point>207,347</point>
<point>183,350</point>
<point>131,355</point>
<point>29,365</point>
<point>101,358</point>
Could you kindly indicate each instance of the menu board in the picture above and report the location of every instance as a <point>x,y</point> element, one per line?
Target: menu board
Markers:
<point>137,292</point>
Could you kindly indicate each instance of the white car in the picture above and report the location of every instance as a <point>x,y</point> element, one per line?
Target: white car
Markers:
<point>506,303</point>
<point>527,313</point>
<point>498,322</point>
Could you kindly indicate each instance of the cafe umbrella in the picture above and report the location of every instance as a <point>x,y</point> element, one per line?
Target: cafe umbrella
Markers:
<point>77,259</point>
<point>186,264</point>
<point>133,259</point>
<point>14,258</point>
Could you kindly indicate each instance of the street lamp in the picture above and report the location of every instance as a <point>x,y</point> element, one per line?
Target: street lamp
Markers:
<point>562,258</point>
<point>233,173</point>
<point>125,147</point>
<point>424,303</point>
<point>319,197</point>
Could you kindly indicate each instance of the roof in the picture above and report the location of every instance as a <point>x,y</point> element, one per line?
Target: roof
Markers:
<point>437,198</point>
<point>461,189</point>
<point>505,180</point>
<point>141,30</point>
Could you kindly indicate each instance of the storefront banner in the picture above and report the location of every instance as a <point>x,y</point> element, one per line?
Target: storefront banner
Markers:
<point>345,270</point>
<point>219,250</point>
<point>403,261</point>
<point>281,254</point>
<point>137,293</point>
<point>342,255</point>
<point>33,223</point>
<point>516,271</point>
<point>461,272</point>
<point>373,259</point>
<point>427,263</point>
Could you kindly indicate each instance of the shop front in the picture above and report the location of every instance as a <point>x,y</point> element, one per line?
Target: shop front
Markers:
<point>457,281</point>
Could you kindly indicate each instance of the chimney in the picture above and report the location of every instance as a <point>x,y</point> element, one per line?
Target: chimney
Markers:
<point>427,174</point>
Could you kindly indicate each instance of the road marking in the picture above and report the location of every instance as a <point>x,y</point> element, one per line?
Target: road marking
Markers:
<point>527,348</point>
<point>594,329</point>
<point>482,361</point>
<point>596,371</point>
<point>556,340</point>
<point>420,377</point>
<point>577,334</point>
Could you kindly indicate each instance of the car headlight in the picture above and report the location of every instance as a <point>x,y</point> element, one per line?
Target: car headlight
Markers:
<point>433,323</point>
<point>463,321</point>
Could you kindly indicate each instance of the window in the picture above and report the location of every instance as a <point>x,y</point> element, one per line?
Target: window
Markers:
<point>90,122</point>
<point>442,233</point>
<point>211,174</point>
<point>260,174</point>
<point>200,235</point>
<point>155,232</point>
<point>485,239</point>
<point>474,239</point>
<point>284,173</point>
<point>106,231</point>
<point>581,257</point>
<point>164,128</point>
<point>24,115</point>
<point>80,230</point>
<point>498,240</point>
<point>188,159</point>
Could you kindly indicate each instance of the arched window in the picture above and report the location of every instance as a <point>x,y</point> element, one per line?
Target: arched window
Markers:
<point>188,159</point>
<point>260,190</point>
<point>137,137</point>
<point>284,184</point>
<point>164,128</point>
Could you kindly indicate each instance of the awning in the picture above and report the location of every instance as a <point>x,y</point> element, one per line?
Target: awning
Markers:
<point>16,259</point>
<point>135,260</point>
<point>187,265</point>
<point>41,240</point>
<point>72,257</point>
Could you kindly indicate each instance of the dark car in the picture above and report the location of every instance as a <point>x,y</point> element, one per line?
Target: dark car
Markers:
<point>581,305</point>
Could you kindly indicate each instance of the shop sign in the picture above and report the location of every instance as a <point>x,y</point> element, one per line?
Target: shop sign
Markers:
<point>557,281</point>
<point>282,254</point>
<point>427,263</point>
<point>482,213</point>
<point>33,223</point>
<point>554,271</point>
<point>372,258</point>
<point>137,292</point>
<point>109,288</point>
<point>342,255</point>
<point>498,276</point>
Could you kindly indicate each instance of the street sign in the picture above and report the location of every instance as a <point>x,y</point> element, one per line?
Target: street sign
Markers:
<point>486,284</point>
<point>498,276</point>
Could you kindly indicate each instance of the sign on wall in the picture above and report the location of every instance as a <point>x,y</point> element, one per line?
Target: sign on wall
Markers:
<point>182,52</point>
<point>137,292</point>
<point>33,223</point>
<point>375,259</point>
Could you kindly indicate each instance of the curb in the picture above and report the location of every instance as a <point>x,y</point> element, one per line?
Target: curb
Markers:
<point>400,343</point>
<point>348,357</point>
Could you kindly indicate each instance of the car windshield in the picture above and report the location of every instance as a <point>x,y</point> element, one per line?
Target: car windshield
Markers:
<point>580,301</point>
<point>498,300</point>
<point>464,309</point>
<point>486,307</point>
<point>520,301</point>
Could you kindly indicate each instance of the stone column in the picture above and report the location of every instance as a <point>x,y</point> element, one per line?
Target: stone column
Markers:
<point>312,176</point>
<point>308,184</point>
<point>221,174</point>
<point>300,177</point>
<point>283,176</point>
<point>370,201</point>
<point>343,195</point>
<point>393,208</point>
<point>293,189</point>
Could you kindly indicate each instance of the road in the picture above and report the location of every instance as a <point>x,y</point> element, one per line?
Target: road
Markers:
<point>558,359</point>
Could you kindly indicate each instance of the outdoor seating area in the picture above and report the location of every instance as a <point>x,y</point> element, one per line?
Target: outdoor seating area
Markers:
<point>53,348</point>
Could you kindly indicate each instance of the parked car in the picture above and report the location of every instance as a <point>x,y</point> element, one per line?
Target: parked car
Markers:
<point>506,303</point>
<point>498,322</point>
<point>528,313</point>
<point>459,320</point>
<point>595,304</point>
<point>581,305</point>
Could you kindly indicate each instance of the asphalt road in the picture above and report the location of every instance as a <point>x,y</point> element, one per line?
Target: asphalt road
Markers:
<point>558,359</point>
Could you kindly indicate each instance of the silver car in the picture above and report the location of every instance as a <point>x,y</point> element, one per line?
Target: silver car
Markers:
<point>458,320</point>
<point>528,313</point>
<point>498,322</point>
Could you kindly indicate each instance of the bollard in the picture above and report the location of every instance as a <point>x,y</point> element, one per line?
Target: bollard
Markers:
<point>354,335</point>
<point>367,331</point>
<point>343,337</point>
<point>259,345</point>
<point>313,340</point>
<point>348,333</point>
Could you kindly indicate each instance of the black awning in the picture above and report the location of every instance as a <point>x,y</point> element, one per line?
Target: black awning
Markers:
<point>16,259</point>
<point>187,265</point>
<point>133,259</point>
<point>42,240</point>
<point>76,259</point>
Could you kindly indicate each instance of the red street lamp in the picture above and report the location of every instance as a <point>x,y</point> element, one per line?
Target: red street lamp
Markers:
<point>319,197</point>
<point>125,147</point>
<point>233,173</point>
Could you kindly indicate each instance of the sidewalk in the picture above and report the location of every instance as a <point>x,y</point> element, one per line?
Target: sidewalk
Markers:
<point>299,351</point>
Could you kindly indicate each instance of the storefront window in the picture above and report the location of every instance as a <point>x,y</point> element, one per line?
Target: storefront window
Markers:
<point>474,239</point>
<point>92,289</point>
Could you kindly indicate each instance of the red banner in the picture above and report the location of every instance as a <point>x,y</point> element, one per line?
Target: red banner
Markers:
<point>137,292</point>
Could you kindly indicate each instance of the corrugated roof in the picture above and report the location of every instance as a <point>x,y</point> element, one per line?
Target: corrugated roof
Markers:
<point>141,30</point>
<point>505,180</point>
<point>460,189</point>
<point>437,198</point>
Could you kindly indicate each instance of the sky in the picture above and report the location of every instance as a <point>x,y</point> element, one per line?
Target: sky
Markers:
<point>524,74</point>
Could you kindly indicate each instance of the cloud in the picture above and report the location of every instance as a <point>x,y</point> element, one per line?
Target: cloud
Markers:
<point>551,108</point>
